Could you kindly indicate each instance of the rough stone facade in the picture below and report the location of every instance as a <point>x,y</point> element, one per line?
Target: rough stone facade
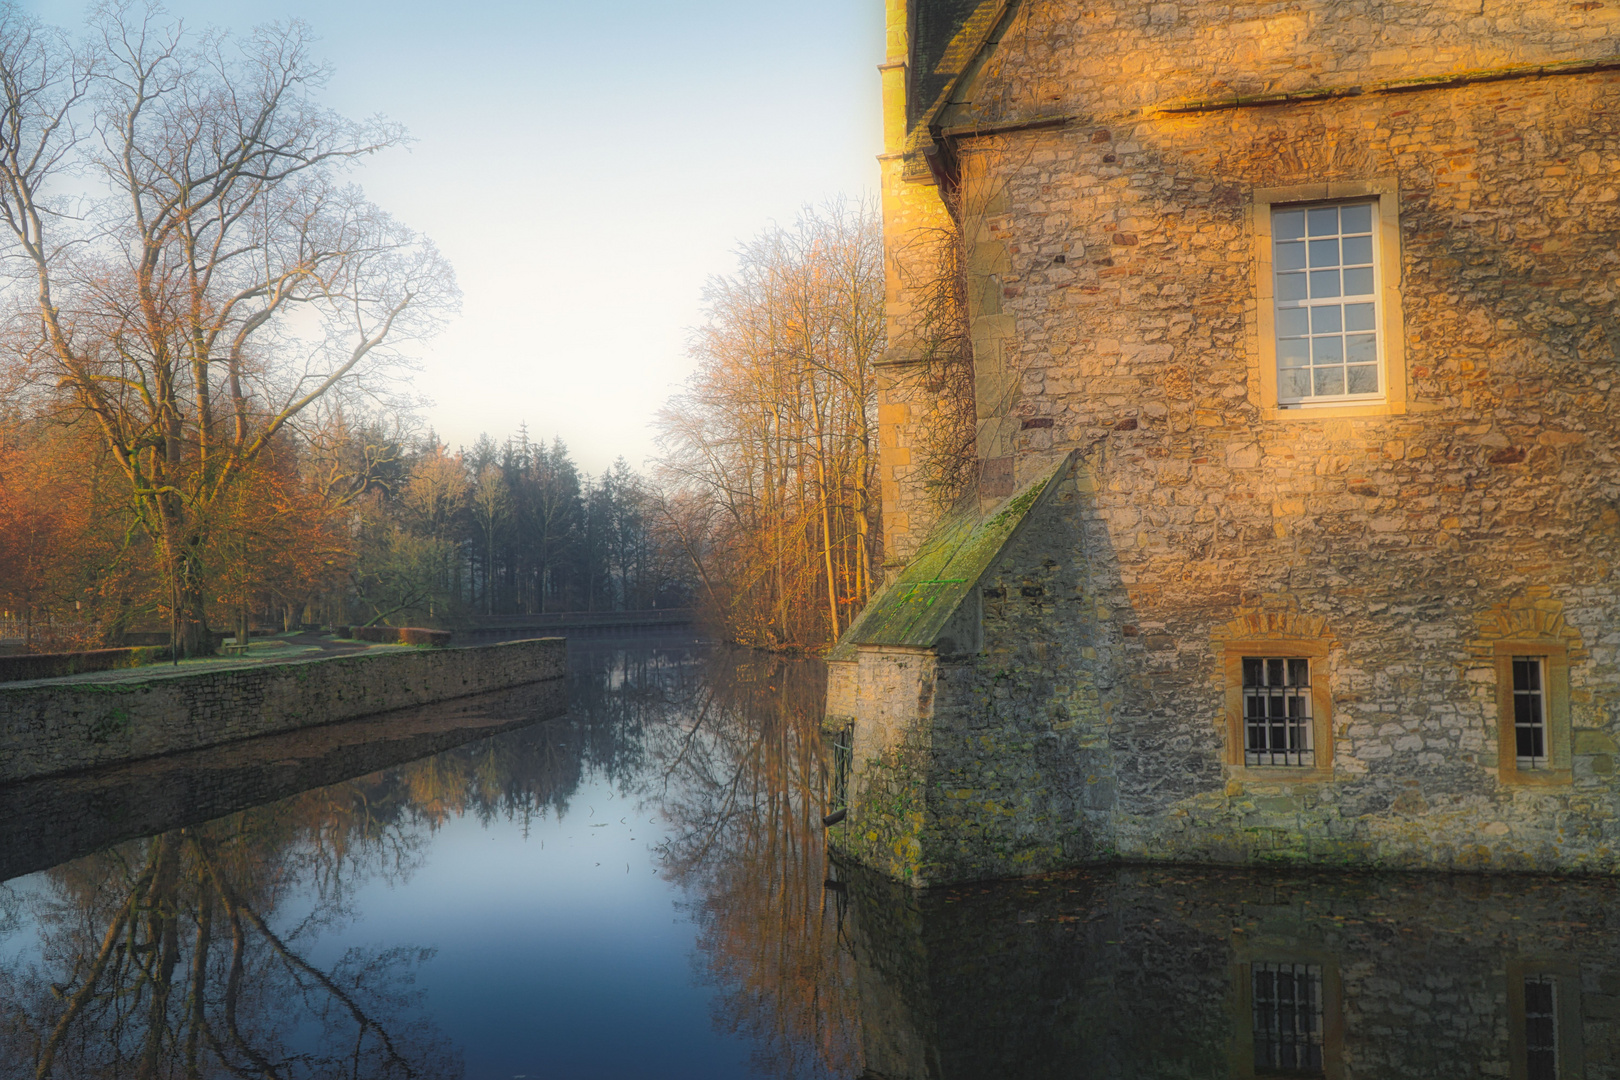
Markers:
<point>1112,163</point>
<point>58,727</point>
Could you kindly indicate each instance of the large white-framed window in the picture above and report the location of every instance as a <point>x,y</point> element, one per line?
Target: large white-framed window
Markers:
<point>1326,298</point>
<point>1326,336</point>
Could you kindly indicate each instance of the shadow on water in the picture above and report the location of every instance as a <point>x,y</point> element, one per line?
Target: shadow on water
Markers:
<point>185,924</point>
<point>1180,972</point>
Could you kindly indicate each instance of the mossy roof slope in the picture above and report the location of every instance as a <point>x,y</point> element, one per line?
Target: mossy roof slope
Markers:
<point>913,608</point>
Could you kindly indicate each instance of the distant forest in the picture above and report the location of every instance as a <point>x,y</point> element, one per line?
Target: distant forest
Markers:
<point>358,525</point>
<point>203,328</point>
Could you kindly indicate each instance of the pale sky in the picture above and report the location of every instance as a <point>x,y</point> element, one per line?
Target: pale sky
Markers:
<point>586,167</point>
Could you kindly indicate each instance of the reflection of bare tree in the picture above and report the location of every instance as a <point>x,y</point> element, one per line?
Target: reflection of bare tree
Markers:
<point>186,954</point>
<point>742,781</point>
<point>165,957</point>
<point>10,910</point>
<point>190,954</point>
<point>160,960</point>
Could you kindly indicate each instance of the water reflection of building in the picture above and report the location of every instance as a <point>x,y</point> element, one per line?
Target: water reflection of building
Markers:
<point>1184,973</point>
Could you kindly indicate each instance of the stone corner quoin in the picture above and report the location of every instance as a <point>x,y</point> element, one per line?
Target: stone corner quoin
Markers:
<point>63,726</point>
<point>1322,305</point>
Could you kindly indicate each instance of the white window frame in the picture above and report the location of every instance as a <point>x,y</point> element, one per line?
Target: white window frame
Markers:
<point>1341,301</point>
<point>1262,322</point>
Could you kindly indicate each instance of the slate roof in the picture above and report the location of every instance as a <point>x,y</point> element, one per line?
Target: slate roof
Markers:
<point>946,36</point>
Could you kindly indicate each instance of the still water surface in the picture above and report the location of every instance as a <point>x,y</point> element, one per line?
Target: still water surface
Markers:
<point>639,888</point>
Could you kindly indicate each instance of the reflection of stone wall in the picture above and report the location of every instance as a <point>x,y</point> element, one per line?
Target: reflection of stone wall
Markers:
<point>57,728</point>
<point>75,815</point>
<point>1144,972</point>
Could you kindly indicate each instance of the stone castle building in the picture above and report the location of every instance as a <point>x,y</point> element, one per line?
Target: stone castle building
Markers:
<point>1294,334</point>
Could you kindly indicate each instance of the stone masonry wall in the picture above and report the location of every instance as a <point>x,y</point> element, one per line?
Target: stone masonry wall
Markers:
<point>1022,776</point>
<point>993,762</point>
<point>892,762</point>
<point>1493,497</point>
<point>58,727</point>
<point>916,230</point>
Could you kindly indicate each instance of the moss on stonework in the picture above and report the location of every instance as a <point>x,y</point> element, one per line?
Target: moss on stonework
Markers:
<point>916,604</point>
<point>885,827</point>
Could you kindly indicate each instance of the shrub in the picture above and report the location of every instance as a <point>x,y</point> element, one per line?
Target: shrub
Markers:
<point>412,635</point>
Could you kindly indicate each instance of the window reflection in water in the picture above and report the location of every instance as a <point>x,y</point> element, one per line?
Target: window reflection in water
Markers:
<point>1541,1027</point>
<point>1287,1005</point>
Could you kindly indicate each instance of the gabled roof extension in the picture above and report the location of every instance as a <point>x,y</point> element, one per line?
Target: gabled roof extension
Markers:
<point>914,606</point>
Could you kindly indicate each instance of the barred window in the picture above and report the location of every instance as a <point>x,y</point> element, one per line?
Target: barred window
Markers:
<point>1287,1006</point>
<point>1277,710</point>
<point>1326,303</point>
<point>1541,1027</point>
<point>1530,711</point>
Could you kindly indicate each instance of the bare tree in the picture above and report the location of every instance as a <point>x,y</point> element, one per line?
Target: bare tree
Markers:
<point>221,279</point>
<point>777,428</point>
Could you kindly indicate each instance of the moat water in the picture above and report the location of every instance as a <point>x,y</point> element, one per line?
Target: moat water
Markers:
<point>639,888</point>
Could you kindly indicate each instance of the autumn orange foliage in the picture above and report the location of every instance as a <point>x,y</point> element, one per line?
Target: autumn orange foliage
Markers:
<point>44,518</point>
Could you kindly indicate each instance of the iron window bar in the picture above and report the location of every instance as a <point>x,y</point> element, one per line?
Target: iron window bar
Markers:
<point>1530,711</point>
<point>1277,710</point>
<point>843,763</point>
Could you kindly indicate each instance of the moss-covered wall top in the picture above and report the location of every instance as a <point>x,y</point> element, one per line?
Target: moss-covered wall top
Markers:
<point>915,605</point>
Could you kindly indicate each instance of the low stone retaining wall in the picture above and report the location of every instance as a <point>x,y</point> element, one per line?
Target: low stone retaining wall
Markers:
<point>70,816</point>
<point>59,727</point>
<point>55,665</point>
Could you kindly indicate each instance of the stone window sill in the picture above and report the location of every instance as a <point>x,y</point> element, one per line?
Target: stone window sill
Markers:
<point>1278,774</point>
<point>1536,777</point>
<point>1335,412</point>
